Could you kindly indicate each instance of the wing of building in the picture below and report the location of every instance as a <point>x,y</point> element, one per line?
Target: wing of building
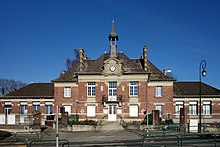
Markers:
<point>187,96</point>
<point>112,87</point>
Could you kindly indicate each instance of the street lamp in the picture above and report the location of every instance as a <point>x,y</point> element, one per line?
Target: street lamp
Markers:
<point>202,72</point>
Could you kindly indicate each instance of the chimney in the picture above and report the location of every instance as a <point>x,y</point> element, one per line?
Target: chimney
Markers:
<point>3,91</point>
<point>167,72</point>
<point>144,56</point>
<point>81,59</point>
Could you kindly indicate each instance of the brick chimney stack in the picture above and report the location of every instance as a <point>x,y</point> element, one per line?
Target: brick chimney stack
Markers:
<point>145,57</point>
<point>81,59</point>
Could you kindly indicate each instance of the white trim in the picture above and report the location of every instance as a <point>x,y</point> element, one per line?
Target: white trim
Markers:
<point>207,103</point>
<point>36,103</point>
<point>23,103</point>
<point>8,103</point>
<point>48,103</point>
<point>193,103</point>
<point>179,103</point>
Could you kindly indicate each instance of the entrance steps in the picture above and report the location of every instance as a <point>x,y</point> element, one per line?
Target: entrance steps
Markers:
<point>112,125</point>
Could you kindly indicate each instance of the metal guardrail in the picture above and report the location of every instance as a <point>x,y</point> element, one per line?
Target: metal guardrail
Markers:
<point>62,142</point>
<point>30,134</point>
<point>172,136</point>
<point>13,142</point>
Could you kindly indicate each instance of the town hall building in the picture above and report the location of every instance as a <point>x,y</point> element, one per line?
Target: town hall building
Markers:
<point>112,87</point>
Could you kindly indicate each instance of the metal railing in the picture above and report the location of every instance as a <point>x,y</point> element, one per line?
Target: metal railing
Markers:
<point>175,135</point>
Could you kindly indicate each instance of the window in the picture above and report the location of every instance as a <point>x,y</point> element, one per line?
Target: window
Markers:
<point>112,88</point>
<point>207,108</point>
<point>91,88</point>
<point>193,107</point>
<point>48,108</point>
<point>134,88</point>
<point>133,111</point>
<point>67,109</point>
<point>23,108</point>
<point>8,108</point>
<point>160,108</point>
<point>159,91</point>
<point>67,91</point>
<point>91,110</point>
<point>178,106</point>
<point>36,106</point>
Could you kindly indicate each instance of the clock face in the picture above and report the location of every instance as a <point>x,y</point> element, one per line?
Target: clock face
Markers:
<point>112,68</point>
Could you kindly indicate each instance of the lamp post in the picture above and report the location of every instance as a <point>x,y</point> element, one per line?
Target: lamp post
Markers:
<point>202,72</point>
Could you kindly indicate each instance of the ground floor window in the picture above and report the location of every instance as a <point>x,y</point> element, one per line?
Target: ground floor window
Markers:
<point>207,108</point>
<point>193,108</point>
<point>67,109</point>
<point>91,110</point>
<point>8,108</point>
<point>133,110</point>
<point>160,108</point>
<point>36,106</point>
<point>23,108</point>
<point>177,107</point>
<point>48,108</point>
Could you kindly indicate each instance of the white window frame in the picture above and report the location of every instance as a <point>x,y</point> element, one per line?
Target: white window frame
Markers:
<point>36,105</point>
<point>133,110</point>
<point>193,108</point>
<point>160,108</point>
<point>112,88</point>
<point>206,108</point>
<point>91,110</point>
<point>67,91</point>
<point>159,91</point>
<point>23,107</point>
<point>91,89</point>
<point>133,88</point>
<point>67,108</point>
<point>178,106</point>
<point>48,107</point>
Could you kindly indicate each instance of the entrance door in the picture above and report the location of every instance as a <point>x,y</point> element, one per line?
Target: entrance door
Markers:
<point>112,113</point>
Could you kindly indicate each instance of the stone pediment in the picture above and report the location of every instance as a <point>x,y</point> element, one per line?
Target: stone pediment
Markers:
<point>112,66</point>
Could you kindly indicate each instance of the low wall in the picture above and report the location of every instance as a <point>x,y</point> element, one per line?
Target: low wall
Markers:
<point>76,128</point>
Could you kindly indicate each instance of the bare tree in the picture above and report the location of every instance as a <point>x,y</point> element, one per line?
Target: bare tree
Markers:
<point>72,62</point>
<point>9,85</point>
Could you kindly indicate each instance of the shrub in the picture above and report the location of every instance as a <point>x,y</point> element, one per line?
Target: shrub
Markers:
<point>84,122</point>
<point>4,134</point>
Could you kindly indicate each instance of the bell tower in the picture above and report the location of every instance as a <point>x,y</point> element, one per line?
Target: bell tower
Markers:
<point>113,38</point>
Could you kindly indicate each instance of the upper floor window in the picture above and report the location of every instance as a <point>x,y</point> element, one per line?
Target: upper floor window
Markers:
<point>134,88</point>
<point>178,106</point>
<point>159,90</point>
<point>207,107</point>
<point>112,88</point>
<point>91,88</point>
<point>67,91</point>
<point>193,108</point>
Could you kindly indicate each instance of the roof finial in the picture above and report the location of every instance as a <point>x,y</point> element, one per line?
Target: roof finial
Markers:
<point>113,36</point>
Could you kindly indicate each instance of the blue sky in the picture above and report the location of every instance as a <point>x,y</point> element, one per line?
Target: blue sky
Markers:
<point>37,36</point>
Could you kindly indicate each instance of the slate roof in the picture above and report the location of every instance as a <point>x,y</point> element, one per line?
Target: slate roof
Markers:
<point>129,66</point>
<point>191,89</point>
<point>39,90</point>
